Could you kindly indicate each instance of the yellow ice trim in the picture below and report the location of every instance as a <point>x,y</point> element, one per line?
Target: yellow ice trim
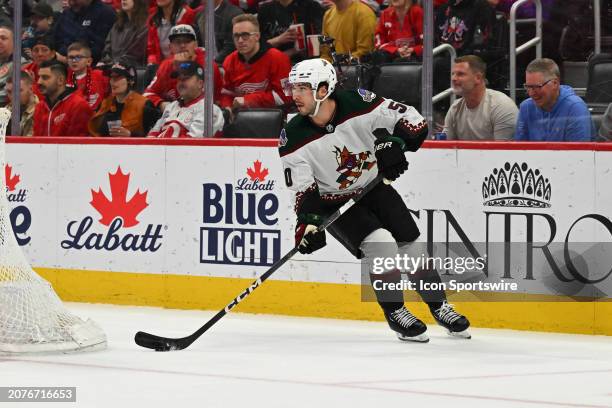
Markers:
<point>329,300</point>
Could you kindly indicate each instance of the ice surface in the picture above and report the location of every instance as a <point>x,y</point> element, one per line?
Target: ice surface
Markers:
<point>275,361</point>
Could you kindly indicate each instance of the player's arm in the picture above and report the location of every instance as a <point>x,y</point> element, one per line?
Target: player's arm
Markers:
<point>403,129</point>
<point>308,204</point>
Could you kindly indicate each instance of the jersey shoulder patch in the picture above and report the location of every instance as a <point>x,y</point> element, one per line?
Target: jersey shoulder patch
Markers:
<point>367,96</point>
<point>297,131</point>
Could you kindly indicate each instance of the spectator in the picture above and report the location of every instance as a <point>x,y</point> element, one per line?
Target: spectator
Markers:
<point>162,89</point>
<point>352,24</point>
<point>185,117</point>
<point>6,60</point>
<point>276,16</point>
<point>605,131</point>
<point>400,29</point>
<point>92,83</point>
<point>125,113</point>
<point>166,15</point>
<point>128,37</point>
<point>553,111</point>
<point>63,111</point>
<point>224,12</point>
<point>481,113</point>
<point>465,24</point>
<point>254,73</point>
<point>43,50</point>
<point>28,101</point>
<point>87,21</point>
<point>41,23</point>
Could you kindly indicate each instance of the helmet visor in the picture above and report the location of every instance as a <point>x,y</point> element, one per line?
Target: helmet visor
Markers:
<point>297,89</point>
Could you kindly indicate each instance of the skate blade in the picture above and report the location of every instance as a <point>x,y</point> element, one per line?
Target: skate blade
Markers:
<point>461,335</point>
<point>420,338</point>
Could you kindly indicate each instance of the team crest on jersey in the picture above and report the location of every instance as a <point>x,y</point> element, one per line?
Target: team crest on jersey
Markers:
<point>366,95</point>
<point>282,140</point>
<point>351,165</point>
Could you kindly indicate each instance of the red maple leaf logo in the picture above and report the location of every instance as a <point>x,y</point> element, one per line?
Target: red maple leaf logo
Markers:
<point>118,206</point>
<point>257,173</point>
<point>11,181</point>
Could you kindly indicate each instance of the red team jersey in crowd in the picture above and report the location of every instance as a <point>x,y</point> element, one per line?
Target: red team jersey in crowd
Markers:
<point>98,85</point>
<point>260,81</point>
<point>163,86</point>
<point>388,29</point>
<point>69,116</point>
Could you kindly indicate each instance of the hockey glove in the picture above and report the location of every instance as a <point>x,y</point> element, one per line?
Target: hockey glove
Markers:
<point>390,157</point>
<point>307,238</point>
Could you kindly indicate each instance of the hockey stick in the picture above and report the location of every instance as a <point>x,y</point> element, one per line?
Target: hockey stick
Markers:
<point>159,343</point>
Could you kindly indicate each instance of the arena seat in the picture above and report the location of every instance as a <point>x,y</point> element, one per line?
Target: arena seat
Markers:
<point>255,123</point>
<point>599,86</point>
<point>349,78</point>
<point>141,80</point>
<point>150,72</point>
<point>400,82</point>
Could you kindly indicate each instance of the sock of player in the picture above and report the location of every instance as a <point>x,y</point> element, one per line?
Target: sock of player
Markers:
<point>389,300</point>
<point>424,280</point>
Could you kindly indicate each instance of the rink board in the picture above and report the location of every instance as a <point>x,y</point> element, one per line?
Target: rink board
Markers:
<point>200,229</point>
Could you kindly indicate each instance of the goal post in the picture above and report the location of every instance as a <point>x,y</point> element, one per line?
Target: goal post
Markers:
<point>32,316</point>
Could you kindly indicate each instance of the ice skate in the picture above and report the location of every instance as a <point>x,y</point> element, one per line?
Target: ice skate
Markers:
<point>407,326</point>
<point>455,323</point>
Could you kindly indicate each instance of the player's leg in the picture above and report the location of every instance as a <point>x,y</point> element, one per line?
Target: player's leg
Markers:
<point>380,244</point>
<point>358,230</point>
<point>395,217</point>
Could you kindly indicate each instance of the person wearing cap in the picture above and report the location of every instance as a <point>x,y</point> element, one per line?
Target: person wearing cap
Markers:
<point>167,14</point>
<point>41,23</point>
<point>125,113</point>
<point>43,50</point>
<point>185,116</point>
<point>162,90</point>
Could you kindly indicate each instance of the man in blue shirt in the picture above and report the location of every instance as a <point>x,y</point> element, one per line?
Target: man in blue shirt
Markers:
<point>87,21</point>
<point>553,112</point>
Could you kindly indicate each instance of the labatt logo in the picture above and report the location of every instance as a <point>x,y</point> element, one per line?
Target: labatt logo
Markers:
<point>21,218</point>
<point>117,214</point>
<point>237,220</point>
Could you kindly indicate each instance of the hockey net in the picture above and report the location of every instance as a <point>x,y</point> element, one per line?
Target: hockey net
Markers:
<point>32,317</point>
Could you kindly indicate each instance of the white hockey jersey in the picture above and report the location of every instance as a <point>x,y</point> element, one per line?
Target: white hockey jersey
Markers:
<point>339,158</point>
<point>186,120</point>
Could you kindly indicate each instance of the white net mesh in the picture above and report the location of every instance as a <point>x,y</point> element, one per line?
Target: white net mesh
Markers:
<point>32,317</point>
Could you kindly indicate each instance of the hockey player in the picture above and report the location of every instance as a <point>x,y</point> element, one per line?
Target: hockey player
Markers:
<point>337,144</point>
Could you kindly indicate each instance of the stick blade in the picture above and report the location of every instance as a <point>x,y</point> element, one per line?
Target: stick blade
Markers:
<point>157,343</point>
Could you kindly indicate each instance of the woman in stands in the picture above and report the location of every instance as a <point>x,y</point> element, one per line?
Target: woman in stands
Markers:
<point>128,36</point>
<point>162,18</point>
<point>400,30</point>
<point>125,113</point>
